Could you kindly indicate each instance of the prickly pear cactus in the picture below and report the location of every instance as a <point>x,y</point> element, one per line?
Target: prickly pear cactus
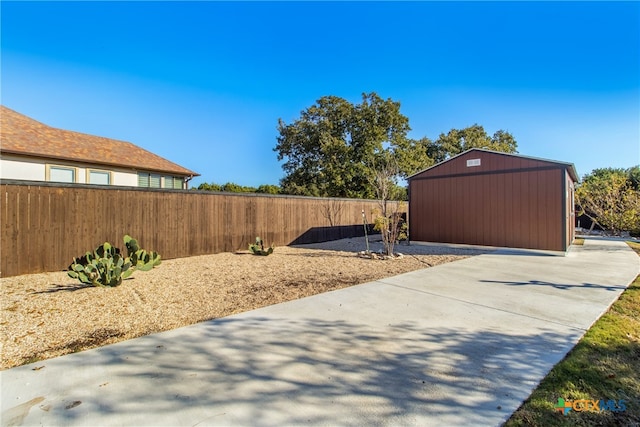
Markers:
<point>107,267</point>
<point>145,261</point>
<point>104,267</point>
<point>141,259</point>
<point>258,248</point>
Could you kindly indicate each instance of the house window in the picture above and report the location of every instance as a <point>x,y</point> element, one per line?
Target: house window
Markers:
<point>148,180</point>
<point>143,179</point>
<point>62,174</point>
<point>154,181</point>
<point>98,177</point>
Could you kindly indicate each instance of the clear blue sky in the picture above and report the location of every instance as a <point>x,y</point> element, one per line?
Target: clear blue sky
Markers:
<point>204,83</point>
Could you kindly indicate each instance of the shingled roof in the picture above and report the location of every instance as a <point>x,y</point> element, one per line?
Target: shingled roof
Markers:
<point>21,135</point>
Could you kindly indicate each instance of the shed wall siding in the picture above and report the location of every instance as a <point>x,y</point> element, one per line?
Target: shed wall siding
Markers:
<point>505,202</point>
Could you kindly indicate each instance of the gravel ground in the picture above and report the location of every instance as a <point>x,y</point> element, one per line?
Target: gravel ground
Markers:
<point>49,314</point>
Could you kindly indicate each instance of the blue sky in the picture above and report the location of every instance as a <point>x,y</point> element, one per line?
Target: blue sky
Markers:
<point>204,83</point>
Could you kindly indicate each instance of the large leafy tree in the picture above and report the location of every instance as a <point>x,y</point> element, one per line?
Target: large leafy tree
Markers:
<point>457,141</point>
<point>329,151</point>
<point>333,148</point>
<point>611,198</point>
<point>413,155</point>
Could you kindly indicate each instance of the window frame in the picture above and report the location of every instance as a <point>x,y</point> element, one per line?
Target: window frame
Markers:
<point>148,176</point>
<point>50,166</point>
<point>102,171</point>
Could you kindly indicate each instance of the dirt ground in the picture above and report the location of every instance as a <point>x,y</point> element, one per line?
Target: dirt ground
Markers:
<point>49,314</point>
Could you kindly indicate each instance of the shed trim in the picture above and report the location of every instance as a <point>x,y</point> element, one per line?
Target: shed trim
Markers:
<point>565,244</point>
<point>494,172</point>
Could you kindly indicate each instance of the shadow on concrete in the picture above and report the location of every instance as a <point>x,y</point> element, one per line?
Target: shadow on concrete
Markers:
<point>563,286</point>
<point>282,372</point>
<point>355,245</point>
<point>608,238</point>
<point>526,252</point>
<point>605,248</point>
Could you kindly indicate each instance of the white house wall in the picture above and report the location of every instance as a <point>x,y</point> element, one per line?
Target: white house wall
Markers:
<point>125,179</point>
<point>16,169</point>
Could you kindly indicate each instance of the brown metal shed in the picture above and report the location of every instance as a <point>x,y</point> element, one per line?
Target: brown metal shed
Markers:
<point>488,198</point>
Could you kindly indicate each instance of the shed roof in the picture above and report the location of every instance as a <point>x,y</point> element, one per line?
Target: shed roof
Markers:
<point>22,135</point>
<point>570,167</point>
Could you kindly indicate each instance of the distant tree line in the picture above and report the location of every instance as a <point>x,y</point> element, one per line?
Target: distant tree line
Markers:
<point>237,188</point>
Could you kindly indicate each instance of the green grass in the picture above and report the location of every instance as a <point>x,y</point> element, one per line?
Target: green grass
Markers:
<point>578,241</point>
<point>605,364</point>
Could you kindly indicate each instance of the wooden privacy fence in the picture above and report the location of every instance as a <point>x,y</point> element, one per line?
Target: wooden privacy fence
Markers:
<point>45,225</point>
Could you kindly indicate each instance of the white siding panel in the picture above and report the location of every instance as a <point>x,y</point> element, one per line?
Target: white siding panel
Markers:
<point>82,175</point>
<point>127,179</point>
<point>16,169</point>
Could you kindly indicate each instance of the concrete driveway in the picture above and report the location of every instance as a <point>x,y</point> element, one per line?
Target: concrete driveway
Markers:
<point>462,343</point>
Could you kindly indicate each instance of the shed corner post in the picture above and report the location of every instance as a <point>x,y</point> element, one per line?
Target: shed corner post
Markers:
<point>565,212</point>
<point>409,213</point>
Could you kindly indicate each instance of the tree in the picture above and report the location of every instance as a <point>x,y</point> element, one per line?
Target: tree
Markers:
<point>634,177</point>
<point>231,187</point>
<point>413,155</point>
<point>210,187</point>
<point>457,141</point>
<point>388,215</point>
<point>328,150</point>
<point>268,189</point>
<point>610,198</point>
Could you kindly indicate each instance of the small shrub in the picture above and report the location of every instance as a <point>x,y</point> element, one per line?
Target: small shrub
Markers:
<point>258,248</point>
<point>403,228</point>
<point>392,227</point>
<point>107,267</point>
